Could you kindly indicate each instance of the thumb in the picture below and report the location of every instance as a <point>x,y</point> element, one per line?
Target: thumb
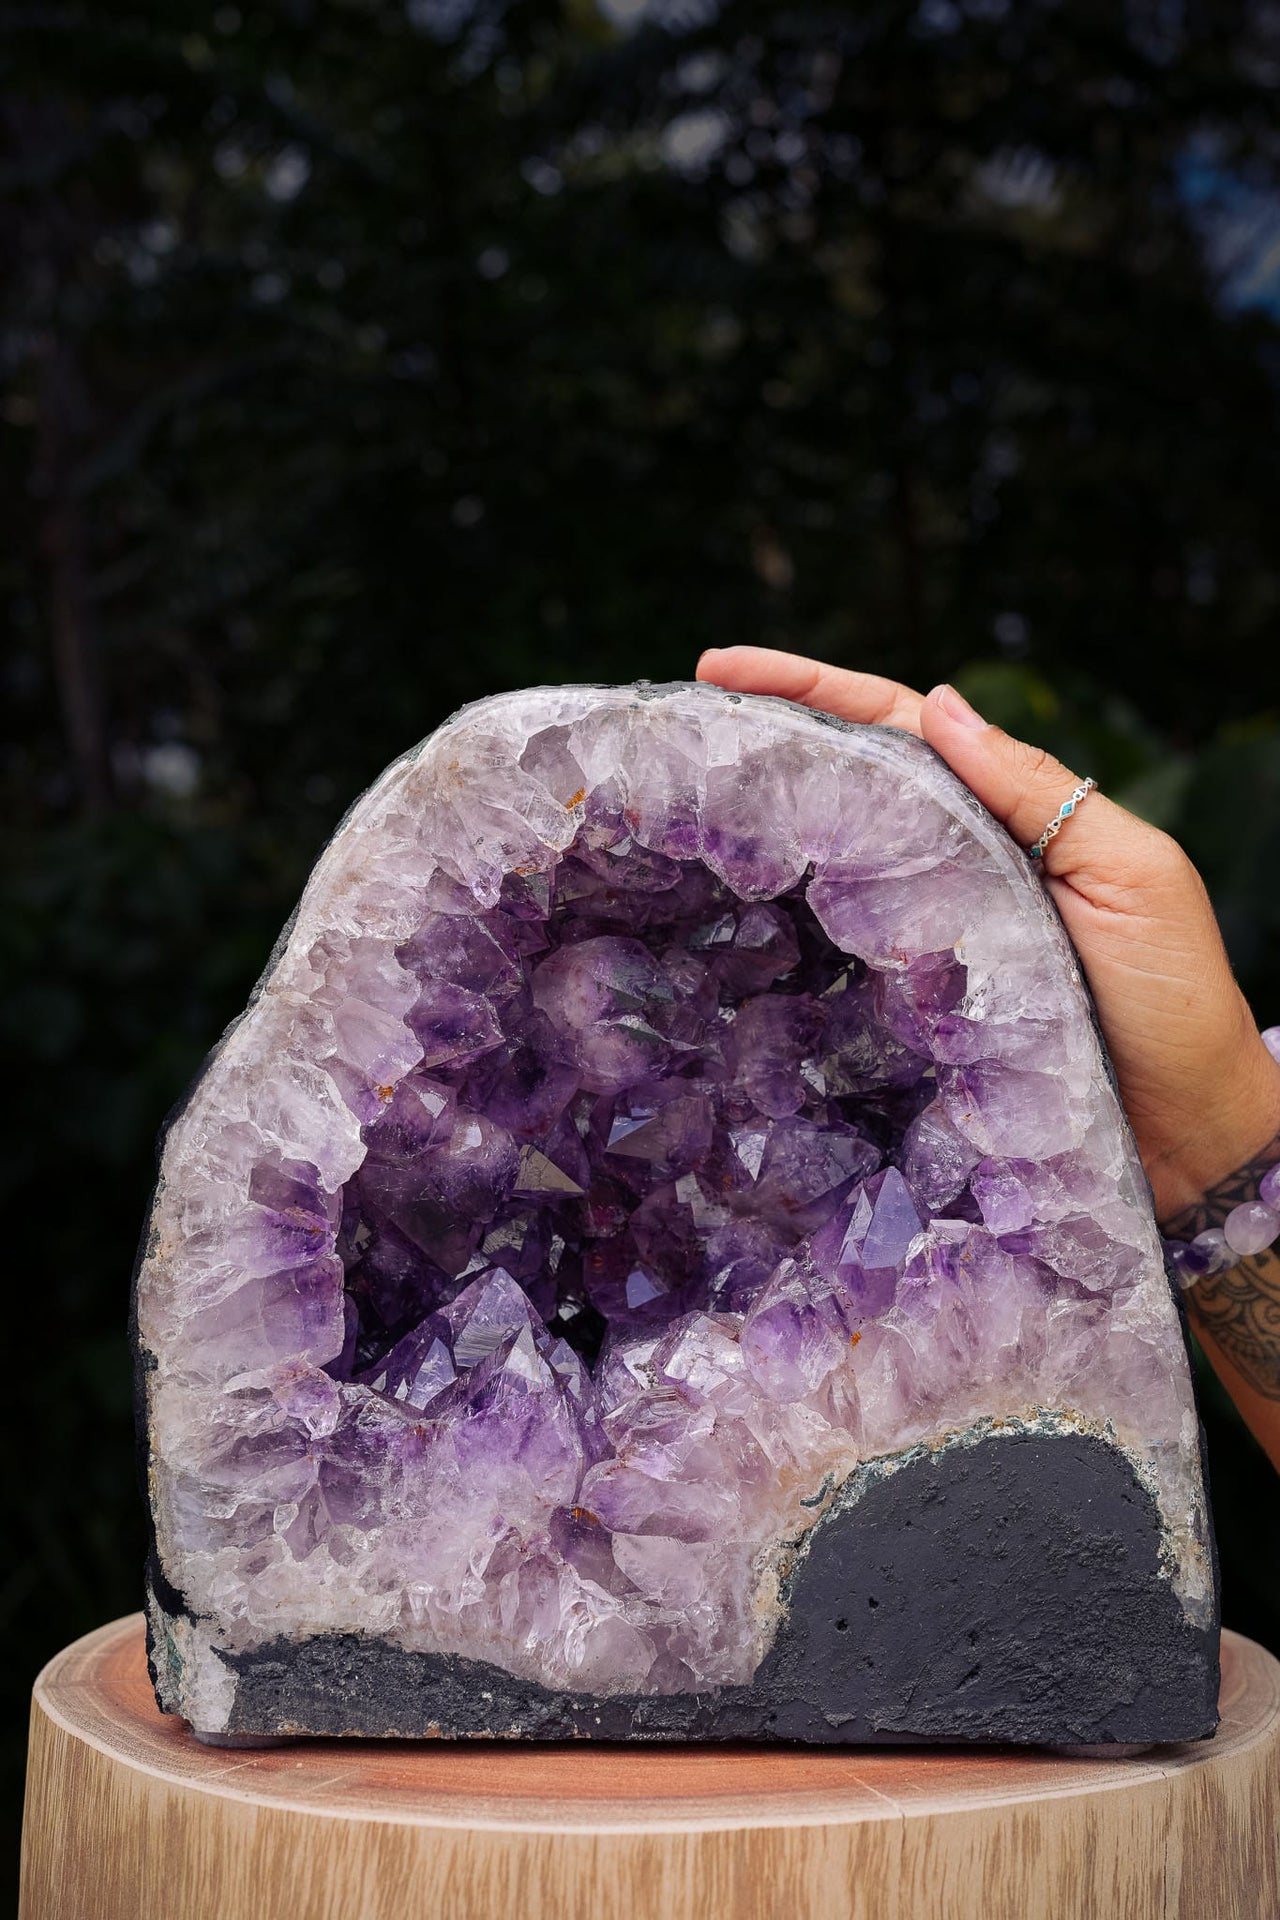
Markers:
<point>1101,850</point>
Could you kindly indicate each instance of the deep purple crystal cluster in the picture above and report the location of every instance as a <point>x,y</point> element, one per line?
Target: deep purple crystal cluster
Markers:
<point>664,1103</point>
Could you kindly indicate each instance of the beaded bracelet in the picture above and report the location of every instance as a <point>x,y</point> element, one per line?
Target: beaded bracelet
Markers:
<point>1251,1227</point>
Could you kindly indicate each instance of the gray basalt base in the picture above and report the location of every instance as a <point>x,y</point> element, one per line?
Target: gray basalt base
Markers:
<point>1003,1587</point>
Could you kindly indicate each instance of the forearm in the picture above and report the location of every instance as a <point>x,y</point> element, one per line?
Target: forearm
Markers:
<point>1236,1313</point>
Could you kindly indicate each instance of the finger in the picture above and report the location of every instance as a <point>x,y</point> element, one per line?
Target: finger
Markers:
<point>1101,847</point>
<point>789,676</point>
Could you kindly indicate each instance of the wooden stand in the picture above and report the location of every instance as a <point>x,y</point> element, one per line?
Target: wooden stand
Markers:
<point>128,1818</point>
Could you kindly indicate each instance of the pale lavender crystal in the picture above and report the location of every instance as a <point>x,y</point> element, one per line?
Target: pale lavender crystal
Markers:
<point>741,1254</point>
<point>770,1044</point>
<point>603,996</point>
<point>937,1160</point>
<point>865,1244</point>
<point>860,1054</point>
<point>454,1025</point>
<point>525,1083</point>
<point>751,948</point>
<point>477,955</point>
<point>1269,1188</point>
<point>805,1170</point>
<point>912,1001</point>
<point>1006,1109</point>
<point>670,1130</point>
<point>417,1368</point>
<point>663,1103</point>
<point>794,1335</point>
<point>893,1225</point>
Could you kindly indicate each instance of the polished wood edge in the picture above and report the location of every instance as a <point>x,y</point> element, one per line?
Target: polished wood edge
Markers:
<point>97,1692</point>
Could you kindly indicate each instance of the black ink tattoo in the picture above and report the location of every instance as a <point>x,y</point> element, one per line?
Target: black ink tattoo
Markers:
<point>1239,1308</point>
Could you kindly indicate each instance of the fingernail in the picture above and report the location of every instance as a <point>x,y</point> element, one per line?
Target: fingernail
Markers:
<point>956,707</point>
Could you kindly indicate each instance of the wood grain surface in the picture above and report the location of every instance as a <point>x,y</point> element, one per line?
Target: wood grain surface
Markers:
<point>129,1818</point>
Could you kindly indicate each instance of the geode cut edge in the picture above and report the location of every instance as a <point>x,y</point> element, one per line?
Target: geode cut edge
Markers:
<point>962,1604</point>
<point>706,1005</point>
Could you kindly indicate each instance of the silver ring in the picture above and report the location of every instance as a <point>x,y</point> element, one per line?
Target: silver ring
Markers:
<point>1064,813</point>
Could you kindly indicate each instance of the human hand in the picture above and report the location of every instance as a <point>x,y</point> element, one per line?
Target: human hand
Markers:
<point>1201,1090</point>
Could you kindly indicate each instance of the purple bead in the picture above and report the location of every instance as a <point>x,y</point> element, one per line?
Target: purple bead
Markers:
<point>1251,1227</point>
<point>1269,1185</point>
<point>1192,1260</point>
<point>1211,1251</point>
<point>1175,1253</point>
<point>1271,1041</point>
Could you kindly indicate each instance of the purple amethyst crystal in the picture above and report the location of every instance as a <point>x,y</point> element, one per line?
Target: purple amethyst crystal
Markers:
<point>665,1105</point>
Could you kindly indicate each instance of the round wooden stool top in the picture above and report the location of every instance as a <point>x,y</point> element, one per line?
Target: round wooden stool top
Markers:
<point>128,1818</point>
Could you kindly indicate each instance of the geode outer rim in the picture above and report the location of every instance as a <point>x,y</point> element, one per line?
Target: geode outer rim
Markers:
<point>992,834</point>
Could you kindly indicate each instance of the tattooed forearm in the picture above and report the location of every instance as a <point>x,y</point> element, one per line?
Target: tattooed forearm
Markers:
<point>1239,1309</point>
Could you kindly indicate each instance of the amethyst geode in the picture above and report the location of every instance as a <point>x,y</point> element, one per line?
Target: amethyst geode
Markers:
<point>661,1254</point>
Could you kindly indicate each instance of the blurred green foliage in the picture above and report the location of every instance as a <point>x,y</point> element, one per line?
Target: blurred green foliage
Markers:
<point>363,357</point>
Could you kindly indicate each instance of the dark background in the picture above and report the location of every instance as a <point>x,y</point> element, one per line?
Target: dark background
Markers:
<point>363,357</point>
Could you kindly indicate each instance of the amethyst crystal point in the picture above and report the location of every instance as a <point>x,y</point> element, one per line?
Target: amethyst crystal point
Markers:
<point>661,1255</point>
